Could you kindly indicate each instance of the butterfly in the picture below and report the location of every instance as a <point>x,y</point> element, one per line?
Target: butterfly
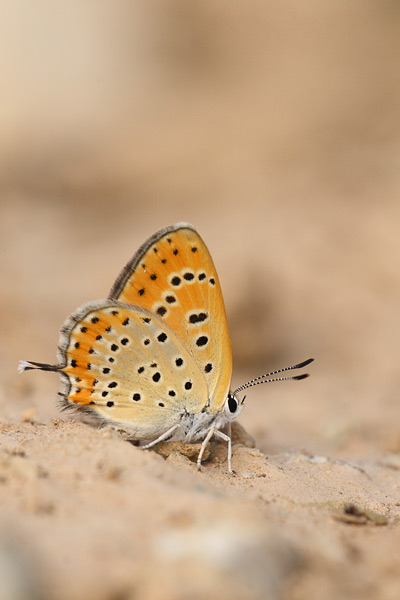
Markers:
<point>154,359</point>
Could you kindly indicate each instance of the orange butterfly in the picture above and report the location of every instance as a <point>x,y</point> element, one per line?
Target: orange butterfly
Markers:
<point>155,358</point>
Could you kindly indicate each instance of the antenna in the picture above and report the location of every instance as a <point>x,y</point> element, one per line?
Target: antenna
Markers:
<point>261,378</point>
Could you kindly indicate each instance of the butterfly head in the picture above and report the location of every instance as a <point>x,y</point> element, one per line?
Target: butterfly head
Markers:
<point>233,406</point>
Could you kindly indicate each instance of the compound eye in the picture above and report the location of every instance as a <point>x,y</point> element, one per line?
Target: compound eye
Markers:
<point>232,404</point>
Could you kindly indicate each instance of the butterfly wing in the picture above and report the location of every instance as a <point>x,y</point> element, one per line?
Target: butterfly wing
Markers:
<point>173,276</point>
<point>127,366</point>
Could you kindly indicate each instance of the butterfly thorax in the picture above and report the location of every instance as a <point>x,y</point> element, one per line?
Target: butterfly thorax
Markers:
<point>194,426</point>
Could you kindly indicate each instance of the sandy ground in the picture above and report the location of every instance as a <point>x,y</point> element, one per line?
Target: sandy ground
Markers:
<point>275,132</point>
<point>86,515</point>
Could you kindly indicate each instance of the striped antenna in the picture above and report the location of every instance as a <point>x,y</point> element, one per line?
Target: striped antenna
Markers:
<point>261,378</point>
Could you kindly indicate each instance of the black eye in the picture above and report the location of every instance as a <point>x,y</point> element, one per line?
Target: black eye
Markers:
<point>232,404</point>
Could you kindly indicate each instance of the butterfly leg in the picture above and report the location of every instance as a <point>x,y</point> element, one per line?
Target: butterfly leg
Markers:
<point>226,438</point>
<point>161,438</point>
<point>208,437</point>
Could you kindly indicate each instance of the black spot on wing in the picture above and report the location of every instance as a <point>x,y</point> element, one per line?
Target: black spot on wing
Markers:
<point>197,317</point>
<point>202,341</point>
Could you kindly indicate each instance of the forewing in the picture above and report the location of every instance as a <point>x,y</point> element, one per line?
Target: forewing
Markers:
<point>173,276</point>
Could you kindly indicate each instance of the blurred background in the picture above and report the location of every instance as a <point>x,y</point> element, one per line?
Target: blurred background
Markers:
<point>273,127</point>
